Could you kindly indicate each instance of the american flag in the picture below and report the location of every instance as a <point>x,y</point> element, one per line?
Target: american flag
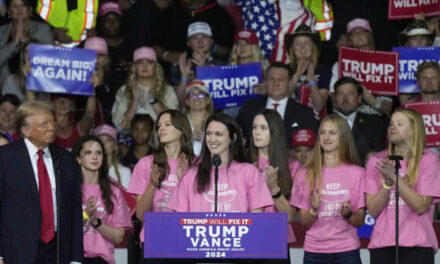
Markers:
<point>271,20</point>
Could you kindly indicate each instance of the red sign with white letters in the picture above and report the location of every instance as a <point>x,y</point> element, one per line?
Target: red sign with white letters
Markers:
<point>406,9</point>
<point>430,112</point>
<point>376,70</point>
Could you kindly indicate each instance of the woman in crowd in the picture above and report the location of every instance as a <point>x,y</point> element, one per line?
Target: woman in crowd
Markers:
<point>146,91</point>
<point>268,150</point>
<point>303,46</point>
<point>109,137</point>
<point>18,31</point>
<point>105,212</point>
<point>67,130</point>
<point>199,107</point>
<point>329,193</point>
<point>156,176</point>
<point>8,122</point>
<point>418,188</point>
<point>142,129</point>
<point>16,82</point>
<point>241,187</point>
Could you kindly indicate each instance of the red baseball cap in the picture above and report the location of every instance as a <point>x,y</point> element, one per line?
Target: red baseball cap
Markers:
<point>303,137</point>
<point>247,35</point>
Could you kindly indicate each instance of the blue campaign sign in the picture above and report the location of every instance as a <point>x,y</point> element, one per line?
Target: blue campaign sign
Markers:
<point>365,230</point>
<point>229,86</point>
<point>215,235</point>
<point>409,59</point>
<point>61,70</point>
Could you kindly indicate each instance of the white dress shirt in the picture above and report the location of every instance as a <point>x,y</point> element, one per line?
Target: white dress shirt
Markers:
<point>350,118</point>
<point>281,109</point>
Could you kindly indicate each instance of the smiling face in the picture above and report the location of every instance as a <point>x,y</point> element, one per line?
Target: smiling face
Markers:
<point>329,137</point>
<point>261,132</point>
<point>7,116</point>
<point>19,11</point>
<point>400,130</point>
<point>166,131</point>
<point>302,47</point>
<point>197,100</point>
<point>218,140</point>
<point>91,156</point>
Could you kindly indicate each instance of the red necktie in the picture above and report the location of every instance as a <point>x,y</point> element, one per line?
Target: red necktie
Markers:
<point>47,221</point>
<point>275,106</point>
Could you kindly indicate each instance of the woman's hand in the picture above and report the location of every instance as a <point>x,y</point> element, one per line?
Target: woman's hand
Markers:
<point>271,174</point>
<point>91,208</point>
<point>154,175</point>
<point>314,200</point>
<point>346,209</point>
<point>259,88</point>
<point>386,169</point>
<point>311,71</point>
<point>182,164</point>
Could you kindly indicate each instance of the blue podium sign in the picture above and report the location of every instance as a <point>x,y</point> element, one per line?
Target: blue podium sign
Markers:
<point>215,235</point>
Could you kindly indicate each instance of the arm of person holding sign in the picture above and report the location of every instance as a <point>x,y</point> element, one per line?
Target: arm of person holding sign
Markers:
<point>85,123</point>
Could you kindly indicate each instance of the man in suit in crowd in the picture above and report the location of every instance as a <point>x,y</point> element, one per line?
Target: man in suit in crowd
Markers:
<point>295,115</point>
<point>369,131</point>
<point>40,195</point>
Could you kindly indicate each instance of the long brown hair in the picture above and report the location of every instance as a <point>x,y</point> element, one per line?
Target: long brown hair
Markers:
<point>278,155</point>
<point>103,177</point>
<point>179,121</point>
<point>347,151</point>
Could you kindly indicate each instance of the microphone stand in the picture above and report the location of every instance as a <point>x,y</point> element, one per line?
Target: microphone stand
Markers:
<point>216,161</point>
<point>397,166</point>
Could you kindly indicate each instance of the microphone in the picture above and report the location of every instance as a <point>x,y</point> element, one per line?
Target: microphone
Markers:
<point>395,157</point>
<point>216,161</point>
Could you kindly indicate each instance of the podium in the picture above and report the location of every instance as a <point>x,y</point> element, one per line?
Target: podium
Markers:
<point>215,237</point>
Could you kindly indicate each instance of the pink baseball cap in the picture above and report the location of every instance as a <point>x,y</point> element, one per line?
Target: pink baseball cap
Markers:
<point>358,23</point>
<point>106,130</point>
<point>96,43</point>
<point>146,53</point>
<point>247,35</point>
<point>303,137</point>
<point>110,6</point>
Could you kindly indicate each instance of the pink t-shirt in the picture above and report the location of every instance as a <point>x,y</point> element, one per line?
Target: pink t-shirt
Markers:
<point>331,233</point>
<point>141,178</point>
<point>241,188</point>
<point>414,229</point>
<point>95,245</point>
<point>294,166</point>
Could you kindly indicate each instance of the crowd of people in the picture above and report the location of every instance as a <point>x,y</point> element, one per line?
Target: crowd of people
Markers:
<point>77,172</point>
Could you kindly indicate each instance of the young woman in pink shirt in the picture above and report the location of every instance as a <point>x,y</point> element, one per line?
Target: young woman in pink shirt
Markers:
<point>419,183</point>
<point>241,187</point>
<point>105,212</point>
<point>268,150</point>
<point>329,193</point>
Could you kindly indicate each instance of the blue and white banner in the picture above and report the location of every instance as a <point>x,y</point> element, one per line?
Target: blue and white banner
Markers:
<point>409,59</point>
<point>365,230</point>
<point>61,70</point>
<point>229,86</point>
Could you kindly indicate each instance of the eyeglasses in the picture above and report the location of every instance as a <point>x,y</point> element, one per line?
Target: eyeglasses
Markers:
<point>195,96</point>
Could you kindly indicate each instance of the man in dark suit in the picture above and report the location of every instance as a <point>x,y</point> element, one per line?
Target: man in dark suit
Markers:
<point>369,131</point>
<point>40,195</point>
<point>295,115</point>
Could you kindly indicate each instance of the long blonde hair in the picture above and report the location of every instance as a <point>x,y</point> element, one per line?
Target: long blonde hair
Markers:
<point>347,151</point>
<point>416,145</point>
<point>157,88</point>
<point>257,56</point>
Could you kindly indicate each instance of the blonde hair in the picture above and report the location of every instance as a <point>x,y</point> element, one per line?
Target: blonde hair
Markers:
<point>157,88</point>
<point>28,109</point>
<point>292,56</point>
<point>416,145</point>
<point>347,151</point>
<point>257,56</point>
